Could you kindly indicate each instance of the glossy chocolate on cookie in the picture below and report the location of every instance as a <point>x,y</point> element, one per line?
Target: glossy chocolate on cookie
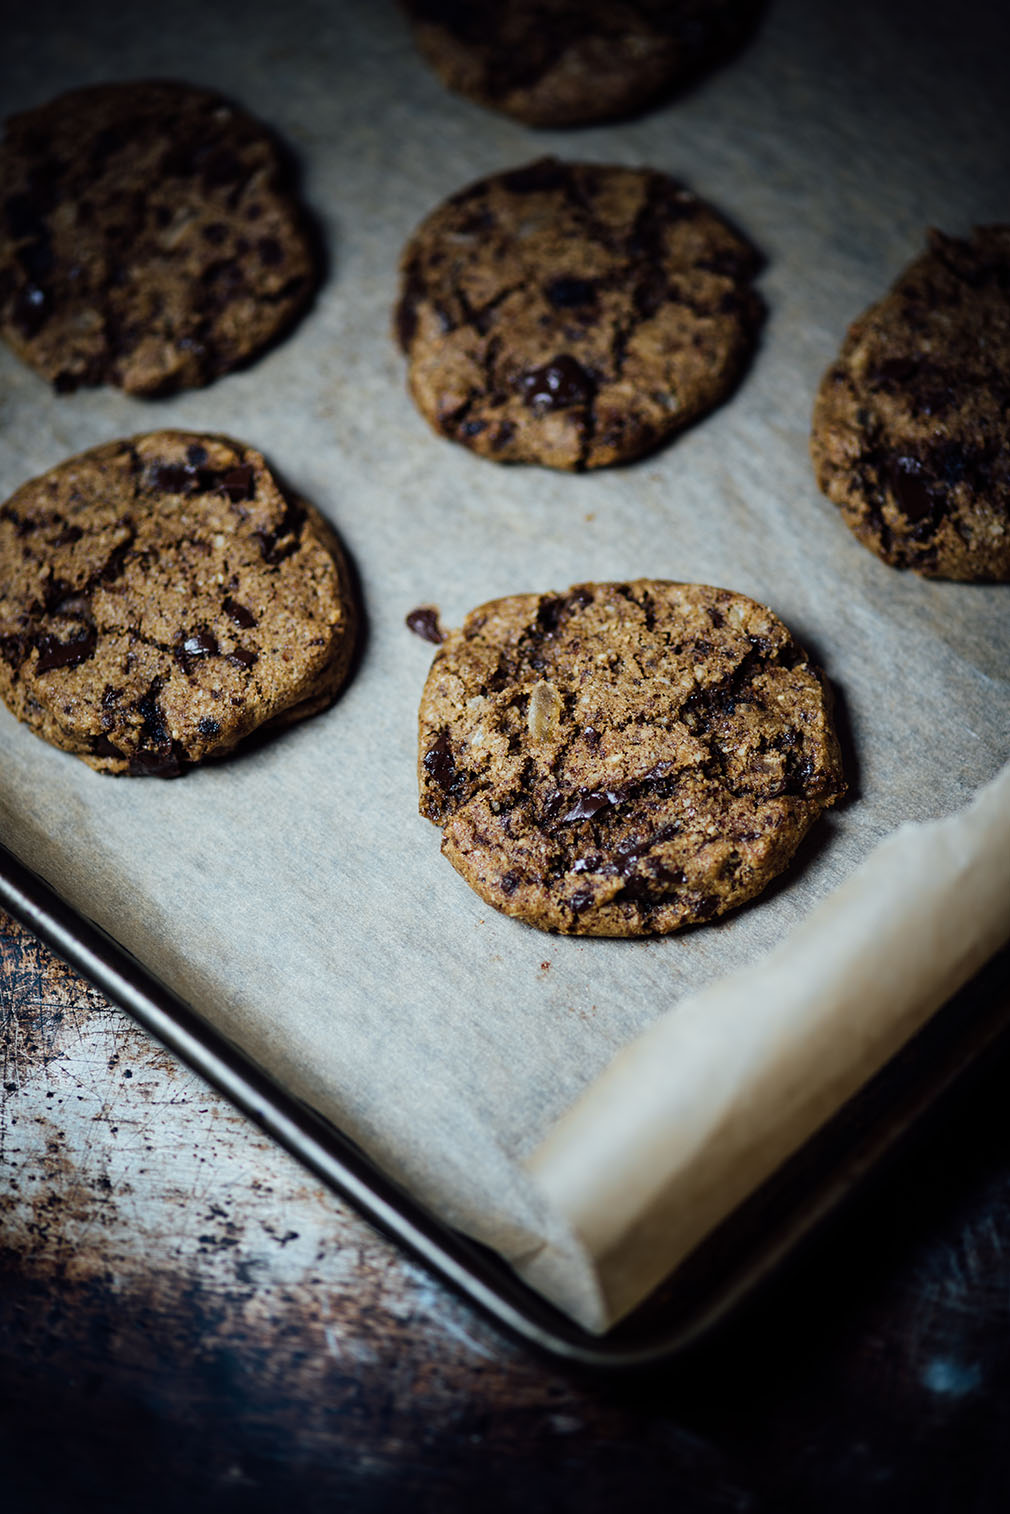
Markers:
<point>148,238</point>
<point>910,431</point>
<point>624,759</point>
<point>568,62</point>
<point>574,314</point>
<point>163,597</point>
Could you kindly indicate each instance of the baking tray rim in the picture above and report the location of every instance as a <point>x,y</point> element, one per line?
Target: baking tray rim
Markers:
<point>469,1268</point>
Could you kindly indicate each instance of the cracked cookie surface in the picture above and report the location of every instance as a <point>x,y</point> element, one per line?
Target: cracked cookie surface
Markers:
<point>910,435</point>
<point>148,238</point>
<point>624,759</point>
<point>161,598</point>
<point>573,314</point>
<point>569,62</point>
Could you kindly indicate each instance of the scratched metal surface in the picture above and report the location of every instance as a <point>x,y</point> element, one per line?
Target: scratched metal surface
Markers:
<point>187,1320</point>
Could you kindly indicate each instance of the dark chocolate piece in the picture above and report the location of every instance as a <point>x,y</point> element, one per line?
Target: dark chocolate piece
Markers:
<point>558,385</point>
<point>424,623</point>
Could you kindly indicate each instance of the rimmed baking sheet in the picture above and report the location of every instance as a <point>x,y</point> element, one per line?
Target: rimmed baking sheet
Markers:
<point>292,896</point>
<point>725,1271</point>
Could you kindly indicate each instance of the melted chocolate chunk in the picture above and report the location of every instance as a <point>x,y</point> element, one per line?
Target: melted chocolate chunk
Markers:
<point>545,174</point>
<point>651,887</point>
<point>440,765</point>
<point>551,808</point>
<point>283,540</point>
<point>589,804</point>
<point>424,623</point>
<point>558,385</point>
<point>62,600</point>
<point>242,657</point>
<point>54,653</point>
<point>556,607</point>
<point>910,488</point>
<point>239,614</point>
<point>799,775</point>
<point>237,482</point>
<point>200,644</point>
<point>101,746</point>
<point>569,293</point>
<point>195,646</point>
<point>173,478</point>
<point>629,853</point>
<point>150,764</point>
<point>155,732</point>
<point>208,726</point>
<point>549,614</point>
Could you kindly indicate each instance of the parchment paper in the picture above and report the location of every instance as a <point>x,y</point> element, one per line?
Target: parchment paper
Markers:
<point>293,895</point>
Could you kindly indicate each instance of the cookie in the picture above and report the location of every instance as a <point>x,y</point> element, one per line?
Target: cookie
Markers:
<point>570,62</point>
<point>574,314</point>
<point>161,598</point>
<point>910,435</point>
<point>624,758</point>
<point>148,238</point>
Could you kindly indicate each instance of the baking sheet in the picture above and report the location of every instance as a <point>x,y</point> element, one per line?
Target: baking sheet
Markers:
<point>293,896</point>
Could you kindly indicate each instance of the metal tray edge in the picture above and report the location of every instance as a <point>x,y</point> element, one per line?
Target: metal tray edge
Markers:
<point>466,1266</point>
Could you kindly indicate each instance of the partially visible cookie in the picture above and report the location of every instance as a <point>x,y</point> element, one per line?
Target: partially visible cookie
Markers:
<point>911,429</point>
<point>161,598</point>
<point>624,758</point>
<point>148,238</point>
<point>569,62</point>
<point>574,314</point>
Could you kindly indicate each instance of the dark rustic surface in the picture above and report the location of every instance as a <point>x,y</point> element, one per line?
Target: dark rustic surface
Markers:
<point>189,1321</point>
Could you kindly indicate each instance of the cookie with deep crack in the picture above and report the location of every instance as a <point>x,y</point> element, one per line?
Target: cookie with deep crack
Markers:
<point>910,434</point>
<point>574,314</point>
<point>149,238</point>
<point>163,597</point>
<point>570,62</point>
<point>624,758</point>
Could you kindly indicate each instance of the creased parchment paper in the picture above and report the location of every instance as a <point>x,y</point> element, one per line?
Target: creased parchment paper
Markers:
<point>701,1108</point>
<point>292,895</point>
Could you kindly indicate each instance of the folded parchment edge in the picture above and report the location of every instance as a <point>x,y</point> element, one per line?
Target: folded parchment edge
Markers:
<point>693,1115</point>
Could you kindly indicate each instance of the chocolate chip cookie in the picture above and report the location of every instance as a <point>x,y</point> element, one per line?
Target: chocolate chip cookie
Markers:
<point>574,314</point>
<point>569,62</point>
<point>910,432</point>
<point>163,597</point>
<point>148,238</point>
<point>624,758</point>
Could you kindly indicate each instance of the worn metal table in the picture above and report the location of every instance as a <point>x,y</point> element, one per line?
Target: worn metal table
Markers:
<point>189,1321</point>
